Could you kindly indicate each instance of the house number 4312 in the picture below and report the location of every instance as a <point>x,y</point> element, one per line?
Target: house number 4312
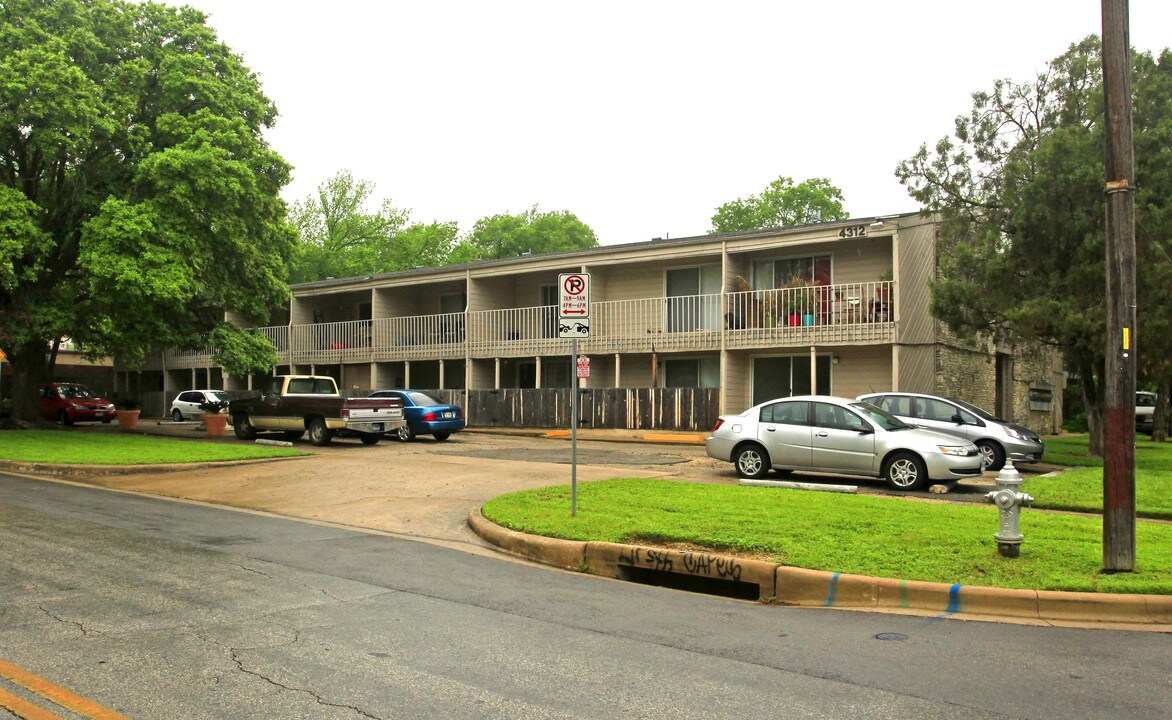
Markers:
<point>853,231</point>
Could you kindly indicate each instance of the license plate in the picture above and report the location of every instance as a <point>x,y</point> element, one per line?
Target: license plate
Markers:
<point>378,427</point>
<point>448,415</point>
<point>99,413</point>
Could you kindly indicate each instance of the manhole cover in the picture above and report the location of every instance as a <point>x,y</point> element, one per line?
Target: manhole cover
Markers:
<point>891,636</point>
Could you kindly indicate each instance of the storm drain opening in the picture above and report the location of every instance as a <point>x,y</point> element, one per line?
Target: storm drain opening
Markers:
<point>736,589</point>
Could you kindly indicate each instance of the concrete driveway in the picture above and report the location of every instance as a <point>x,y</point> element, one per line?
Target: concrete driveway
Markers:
<point>422,489</point>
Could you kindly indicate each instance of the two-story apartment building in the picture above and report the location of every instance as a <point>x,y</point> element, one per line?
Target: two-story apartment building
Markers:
<point>836,308</point>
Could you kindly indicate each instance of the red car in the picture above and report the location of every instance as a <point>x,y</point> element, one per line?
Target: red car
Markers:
<point>69,403</point>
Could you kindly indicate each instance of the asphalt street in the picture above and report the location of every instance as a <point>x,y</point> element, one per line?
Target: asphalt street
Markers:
<point>158,608</point>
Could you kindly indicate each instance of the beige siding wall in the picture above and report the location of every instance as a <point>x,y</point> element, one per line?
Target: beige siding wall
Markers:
<point>915,268</point>
<point>632,283</point>
<point>355,378</point>
<point>915,368</point>
<point>483,374</point>
<point>735,383</point>
<point>495,293</point>
<point>861,370</point>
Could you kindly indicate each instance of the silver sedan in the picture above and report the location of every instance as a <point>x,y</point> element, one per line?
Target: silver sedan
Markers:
<point>837,435</point>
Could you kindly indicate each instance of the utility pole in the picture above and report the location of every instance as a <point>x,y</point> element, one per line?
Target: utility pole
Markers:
<point>1119,439</point>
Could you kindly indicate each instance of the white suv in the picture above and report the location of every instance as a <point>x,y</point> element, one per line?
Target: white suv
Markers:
<point>187,403</point>
<point>1145,406</point>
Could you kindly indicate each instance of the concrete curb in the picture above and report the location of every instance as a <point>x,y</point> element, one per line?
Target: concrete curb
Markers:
<point>816,588</point>
<point>68,471</point>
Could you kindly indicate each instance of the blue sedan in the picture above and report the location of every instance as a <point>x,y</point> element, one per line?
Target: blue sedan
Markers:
<point>425,415</point>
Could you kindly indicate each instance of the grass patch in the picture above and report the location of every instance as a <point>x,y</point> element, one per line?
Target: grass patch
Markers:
<point>867,535</point>
<point>1081,489</point>
<point>73,447</point>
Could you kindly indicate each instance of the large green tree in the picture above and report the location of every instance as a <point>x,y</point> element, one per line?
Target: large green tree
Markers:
<point>139,202</point>
<point>342,237</point>
<point>781,204</point>
<point>505,236</point>
<point>1019,186</point>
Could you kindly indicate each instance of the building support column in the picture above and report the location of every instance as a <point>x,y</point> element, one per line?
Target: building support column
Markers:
<point>618,368</point>
<point>537,380</point>
<point>813,370</point>
<point>497,375</point>
<point>441,374</point>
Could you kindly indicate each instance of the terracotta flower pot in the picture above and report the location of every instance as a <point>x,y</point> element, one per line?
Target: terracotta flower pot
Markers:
<point>215,423</point>
<point>127,419</point>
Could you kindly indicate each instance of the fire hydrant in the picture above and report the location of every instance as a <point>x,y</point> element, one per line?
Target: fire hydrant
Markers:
<point>1009,501</point>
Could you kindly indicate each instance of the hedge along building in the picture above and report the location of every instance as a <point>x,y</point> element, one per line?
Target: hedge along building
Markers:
<point>680,330</point>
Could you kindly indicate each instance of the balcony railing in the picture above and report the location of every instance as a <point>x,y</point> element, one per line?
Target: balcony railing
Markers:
<point>821,314</point>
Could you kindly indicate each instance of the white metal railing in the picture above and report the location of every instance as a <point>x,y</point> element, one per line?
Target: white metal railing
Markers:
<point>420,336</point>
<point>760,318</point>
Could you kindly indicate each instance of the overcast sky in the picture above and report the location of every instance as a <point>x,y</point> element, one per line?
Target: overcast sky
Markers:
<point>639,117</point>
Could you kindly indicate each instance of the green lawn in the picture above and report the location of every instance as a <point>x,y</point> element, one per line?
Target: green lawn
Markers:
<point>72,447</point>
<point>880,536</point>
<point>1081,489</point>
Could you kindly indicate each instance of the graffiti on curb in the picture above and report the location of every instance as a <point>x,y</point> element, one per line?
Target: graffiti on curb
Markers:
<point>717,566</point>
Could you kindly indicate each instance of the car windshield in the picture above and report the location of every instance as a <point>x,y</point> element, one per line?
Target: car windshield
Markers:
<point>1145,400</point>
<point>420,398</point>
<point>879,416</point>
<point>215,397</point>
<point>984,415</point>
<point>74,391</point>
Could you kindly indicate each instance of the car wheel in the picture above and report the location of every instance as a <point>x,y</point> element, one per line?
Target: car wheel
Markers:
<point>442,436</point>
<point>243,427</point>
<point>292,435</point>
<point>319,434</point>
<point>176,415</point>
<point>63,418</point>
<point>405,434</point>
<point>369,438</point>
<point>905,471</point>
<point>992,456</point>
<point>752,462</point>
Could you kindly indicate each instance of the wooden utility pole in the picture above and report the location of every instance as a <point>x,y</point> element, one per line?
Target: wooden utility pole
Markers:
<point>1119,418</point>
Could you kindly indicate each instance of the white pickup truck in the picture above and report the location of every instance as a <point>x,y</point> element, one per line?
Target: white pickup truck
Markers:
<point>296,404</point>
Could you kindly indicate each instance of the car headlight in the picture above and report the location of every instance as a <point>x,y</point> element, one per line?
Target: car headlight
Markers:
<point>75,406</point>
<point>959,450</point>
<point>1013,433</point>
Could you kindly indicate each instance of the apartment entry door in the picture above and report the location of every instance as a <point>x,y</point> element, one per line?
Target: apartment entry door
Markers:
<point>778,377</point>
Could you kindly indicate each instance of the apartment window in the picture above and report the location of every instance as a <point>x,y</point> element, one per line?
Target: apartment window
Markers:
<point>691,297</point>
<point>691,372</point>
<point>771,274</point>
<point>778,377</point>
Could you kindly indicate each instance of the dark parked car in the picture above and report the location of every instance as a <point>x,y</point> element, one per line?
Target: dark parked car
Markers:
<point>68,403</point>
<point>425,415</point>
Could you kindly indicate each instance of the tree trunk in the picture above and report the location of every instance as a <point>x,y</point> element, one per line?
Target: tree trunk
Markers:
<point>1160,414</point>
<point>30,368</point>
<point>1092,399</point>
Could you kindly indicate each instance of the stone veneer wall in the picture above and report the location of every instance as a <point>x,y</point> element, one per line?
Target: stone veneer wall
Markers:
<point>968,371</point>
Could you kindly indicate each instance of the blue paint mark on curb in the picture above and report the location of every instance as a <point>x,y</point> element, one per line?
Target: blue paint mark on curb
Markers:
<point>830,595</point>
<point>954,599</point>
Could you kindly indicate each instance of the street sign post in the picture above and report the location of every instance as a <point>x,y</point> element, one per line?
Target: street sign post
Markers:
<point>574,323</point>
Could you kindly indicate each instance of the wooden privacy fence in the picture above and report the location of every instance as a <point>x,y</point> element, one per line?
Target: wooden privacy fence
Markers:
<point>693,409</point>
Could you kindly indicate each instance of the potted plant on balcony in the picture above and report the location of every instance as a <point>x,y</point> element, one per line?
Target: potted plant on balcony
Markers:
<point>215,416</point>
<point>127,410</point>
<point>800,302</point>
